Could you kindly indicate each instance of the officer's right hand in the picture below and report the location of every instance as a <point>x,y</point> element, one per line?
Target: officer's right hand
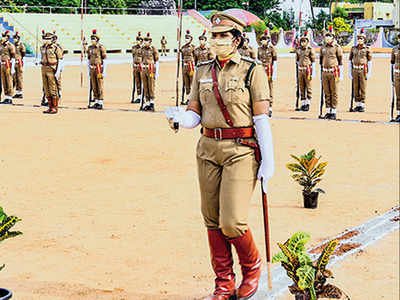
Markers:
<point>350,76</point>
<point>172,114</point>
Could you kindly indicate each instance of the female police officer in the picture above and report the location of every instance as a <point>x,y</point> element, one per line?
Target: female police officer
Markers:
<point>230,99</point>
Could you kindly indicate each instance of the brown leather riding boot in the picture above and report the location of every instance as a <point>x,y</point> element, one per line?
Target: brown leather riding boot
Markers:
<point>250,262</point>
<point>55,105</point>
<point>50,102</point>
<point>222,263</point>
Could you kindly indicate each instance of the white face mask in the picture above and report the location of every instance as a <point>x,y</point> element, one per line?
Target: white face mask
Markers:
<point>147,43</point>
<point>187,41</point>
<point>202,42</point>
<point>94,42</point>
<point>328,39</point>
<point>47,42</point>
<point>360,41</point>
<point>222,47</point>
<point>264,42</point>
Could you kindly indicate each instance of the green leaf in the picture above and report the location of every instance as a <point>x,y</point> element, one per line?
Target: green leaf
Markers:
<point>313,294</point>
<point>306,275</point>
<point>279,257</point>
<point>325,255</point>
<point>297,242</point>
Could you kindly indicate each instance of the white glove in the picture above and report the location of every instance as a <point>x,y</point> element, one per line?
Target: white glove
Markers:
<point>264,137</point>
<point>350,70</point>
<point>60,66</point>
<point>157,70</point>
<point>341,72</point>
<point>12,66</point>
<point>104,74</point>
<point>368,76</point>
<point>186,118</point>
<point>314,70</point>
<point>274,70</point>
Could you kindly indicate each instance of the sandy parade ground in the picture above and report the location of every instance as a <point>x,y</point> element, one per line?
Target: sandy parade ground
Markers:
<point>110,203</point>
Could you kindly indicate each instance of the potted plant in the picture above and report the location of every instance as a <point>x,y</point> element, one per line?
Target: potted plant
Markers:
<point>307,171</point>
<point>6,223</point>
<point>309,278</point>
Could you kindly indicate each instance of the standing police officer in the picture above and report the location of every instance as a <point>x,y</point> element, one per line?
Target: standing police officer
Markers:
<point>137,61</point>
<point>360,69</point>
<point>187,51</point>
<point>202,53</point>
<point>18,79</point>
<point>395,66</point>
<point>229,99</point>
<point>7,56</point>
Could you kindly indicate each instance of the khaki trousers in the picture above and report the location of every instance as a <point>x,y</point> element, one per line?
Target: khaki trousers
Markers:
<point>97,84</point>
<point>359,85</point>
<point>138,80</point>
<point>305,86</point>
<point>149,84</point>
<point>6,80</point>
<point>18,77</point>
<point>49,82</point>
<point>397,89</point>
<point>187,80</point>
<point>227,177</point>
<point>330,84</point>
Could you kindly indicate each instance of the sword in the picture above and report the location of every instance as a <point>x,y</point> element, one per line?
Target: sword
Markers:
<point>352,92</point>
<point>297,87</point>
<point>321,104</point>
<point>178,53</point>
<point>267,235</point>
<point>133,86</point>
<point>393,96</point>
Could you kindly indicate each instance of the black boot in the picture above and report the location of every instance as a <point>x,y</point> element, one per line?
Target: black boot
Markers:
<point>151,107</point>
<point>17,96</point>
<point>332,117</point>
<point>361,109</point>
<point>397,119</point>
<point>306,107</point>
<point>327,116</point>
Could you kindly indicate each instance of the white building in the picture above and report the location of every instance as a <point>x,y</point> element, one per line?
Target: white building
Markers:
<point>302,6</point>
<point>396,14</point>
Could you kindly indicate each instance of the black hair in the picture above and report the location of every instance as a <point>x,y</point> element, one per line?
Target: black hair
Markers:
<point>237,34</point>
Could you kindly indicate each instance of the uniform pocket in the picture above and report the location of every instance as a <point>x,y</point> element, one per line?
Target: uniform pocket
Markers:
<point>205,90</point>
<point>235,90</point>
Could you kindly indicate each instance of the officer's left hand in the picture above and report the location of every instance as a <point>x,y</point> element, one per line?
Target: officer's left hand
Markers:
<point>12,71</point>
<point>368,76</point>
<point>103,74</point>
<point>274,76</point>
<point>57,75</point>
<point>265,173</point>
<point>156,76</point>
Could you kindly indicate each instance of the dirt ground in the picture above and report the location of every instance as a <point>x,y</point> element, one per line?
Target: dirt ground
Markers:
<point>110,201</point>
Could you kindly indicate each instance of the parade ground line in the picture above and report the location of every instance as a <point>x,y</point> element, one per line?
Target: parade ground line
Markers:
<point>162,112</point>
<point>358,237</point>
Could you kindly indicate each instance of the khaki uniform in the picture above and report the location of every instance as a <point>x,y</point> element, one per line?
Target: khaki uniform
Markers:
<point>150,57</point>
<point>164,46</point>
<point>227,170</point>
<point>395,60</point>
<point>202,54</point>
<point>7,52</point>
<point>331,57</point>
<point>137,60</point>
<point>247,51</point>
<point>267,55</point>
<point>305,57</point>
<point>188,66</point>
<point>20,52</point>
<point>51,54</point>
<point>359,57</point>
<point>96,56</point>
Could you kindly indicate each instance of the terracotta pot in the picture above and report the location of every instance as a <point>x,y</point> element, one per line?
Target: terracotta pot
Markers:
<point>5,294</point>
<point>310,199</point>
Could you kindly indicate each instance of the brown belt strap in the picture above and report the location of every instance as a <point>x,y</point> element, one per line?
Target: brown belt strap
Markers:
<point>218,96</point>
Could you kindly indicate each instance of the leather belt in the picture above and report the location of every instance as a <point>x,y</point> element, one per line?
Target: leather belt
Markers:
<point>303,68</point>
<point>396,70</point>
<point>49,64</point>
<point>329,70</point>
<point>228,133</point>
<point>359,67</point>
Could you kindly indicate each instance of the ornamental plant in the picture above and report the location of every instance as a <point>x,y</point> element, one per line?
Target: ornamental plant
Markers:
<point>308,171</point>
<point>6,223</point>
<point>309,278</point>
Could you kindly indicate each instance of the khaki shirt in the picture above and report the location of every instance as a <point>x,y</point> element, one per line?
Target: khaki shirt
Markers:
<point>137,54</point>
<point>163,42</point>
<point>247,52</point>
<point>20,50</point>
<point>236,96</point>
<point>7,51</point>
<point>96,54</point>
<point>395,58</point>
<point>267,54</point>
<point>202,54</point>
<point>331,56</point>
<point>51,54</point>
<point>149,55</point>
<point>305,56</point>
<point>188,53</point>
<point>360,56</point>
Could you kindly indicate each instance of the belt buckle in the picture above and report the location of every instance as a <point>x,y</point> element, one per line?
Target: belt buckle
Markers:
<point>217,134</point>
